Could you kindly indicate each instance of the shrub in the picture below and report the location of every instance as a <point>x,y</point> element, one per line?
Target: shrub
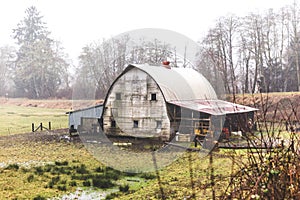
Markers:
<point>30,178</point>
<point>13,167</point>
<point>63,163</point>
<point>81,169</point>
<point>39,170</point>
<point>124,188</point>
<point>73,184</point>
<point>112,175</point>
<point>99,169</point>
<point>86,183</point>
<point>47,168</point>
<point>101,182</point>
<point>39,198</point>
<point>50,185</point>
<point>55,179</point>
<point>272,173</point>
<point>62,188</point>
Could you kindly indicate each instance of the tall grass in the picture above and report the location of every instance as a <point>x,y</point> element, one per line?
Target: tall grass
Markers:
<point>272,172</point>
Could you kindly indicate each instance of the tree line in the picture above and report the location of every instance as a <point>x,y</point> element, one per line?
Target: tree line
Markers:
<point>253,53</point>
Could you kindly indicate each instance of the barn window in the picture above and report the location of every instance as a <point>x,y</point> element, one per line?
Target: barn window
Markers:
<point>135,123</point>
<point>158,124</point>
<point>118,96</point>
<point>113,123</point>
<point>153,97</point>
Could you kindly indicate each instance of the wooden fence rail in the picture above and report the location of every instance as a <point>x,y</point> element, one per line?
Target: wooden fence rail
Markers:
<point>33,129</point>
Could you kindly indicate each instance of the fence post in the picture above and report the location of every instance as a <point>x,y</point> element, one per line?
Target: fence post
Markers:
<point>49,125</point>
<point>32,127</point>
<point>212,176</point>
<point>41,125</point>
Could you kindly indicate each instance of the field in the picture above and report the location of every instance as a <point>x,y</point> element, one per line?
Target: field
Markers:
<point>18,119</point>
<point>41,165</point>
<point>48,164</point>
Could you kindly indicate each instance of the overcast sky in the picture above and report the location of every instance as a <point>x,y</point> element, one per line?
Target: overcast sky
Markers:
<point>79,22</point>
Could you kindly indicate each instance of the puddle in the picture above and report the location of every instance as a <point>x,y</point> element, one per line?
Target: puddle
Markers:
<point>86,194</point>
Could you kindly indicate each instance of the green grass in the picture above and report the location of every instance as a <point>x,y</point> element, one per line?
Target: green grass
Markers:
<point>186,177</point>
<point>18,119</point>
<point>59,168</point>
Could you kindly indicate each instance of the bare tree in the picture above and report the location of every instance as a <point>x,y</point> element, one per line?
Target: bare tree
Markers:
<point>295,36</point>
<point>219,50</point>
<point>102,62</point>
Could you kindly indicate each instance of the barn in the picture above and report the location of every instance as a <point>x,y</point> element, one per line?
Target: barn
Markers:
<point>160,101</point>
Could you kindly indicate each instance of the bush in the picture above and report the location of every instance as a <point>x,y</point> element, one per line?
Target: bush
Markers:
<point>273,173</point>
<point>30,178</point>
<point>47,168</point>
<point>124,188</point>
<point>86,183</point>
<point>81,169</point>
<point>73,184</point>
<point>39,170</point>
<point>13,167</point>
<point>50,185</point>
<point>101,182</point>
<point>53,181</point>
<point>63,163</point>
<point>62,188</point>
<point>112,174</point>
<point>99,169</point>
<point>39,198</point>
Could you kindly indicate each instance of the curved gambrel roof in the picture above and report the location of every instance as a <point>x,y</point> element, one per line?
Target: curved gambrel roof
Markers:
<point>179,84</point>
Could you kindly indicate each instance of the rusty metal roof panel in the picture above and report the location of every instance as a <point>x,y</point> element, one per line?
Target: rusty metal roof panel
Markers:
<point>213,107</point>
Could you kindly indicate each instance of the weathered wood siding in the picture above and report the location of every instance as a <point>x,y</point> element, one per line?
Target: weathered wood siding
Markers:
<point>129,101</point>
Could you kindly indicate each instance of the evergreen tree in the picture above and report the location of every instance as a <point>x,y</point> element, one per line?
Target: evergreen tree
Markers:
<point>39,65</point>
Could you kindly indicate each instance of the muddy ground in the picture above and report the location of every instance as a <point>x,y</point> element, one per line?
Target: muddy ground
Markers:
<point>27,138</point>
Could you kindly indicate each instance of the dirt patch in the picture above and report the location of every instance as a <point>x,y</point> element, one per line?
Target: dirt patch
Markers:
<point>34,137</point>
<point>58,104</point>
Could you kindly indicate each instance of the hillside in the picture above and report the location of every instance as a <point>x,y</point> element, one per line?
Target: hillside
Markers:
<point>273,106</point>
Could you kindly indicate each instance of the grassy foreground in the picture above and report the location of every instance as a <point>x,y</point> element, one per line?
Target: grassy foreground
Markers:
<point>39,165</point>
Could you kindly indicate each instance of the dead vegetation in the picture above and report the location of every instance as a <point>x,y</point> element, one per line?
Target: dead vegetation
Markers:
<point>49,103</point>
